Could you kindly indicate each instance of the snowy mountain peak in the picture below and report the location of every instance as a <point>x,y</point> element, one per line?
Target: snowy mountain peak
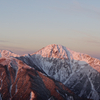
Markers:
<point>55,51</point>
<point>61,52</point>
<point>6,53</point>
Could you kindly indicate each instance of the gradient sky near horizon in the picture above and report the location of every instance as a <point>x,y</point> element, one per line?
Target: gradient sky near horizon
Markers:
<point>28,25</point>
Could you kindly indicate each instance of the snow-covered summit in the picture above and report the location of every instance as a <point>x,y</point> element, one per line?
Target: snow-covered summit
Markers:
<point>53,50</point>
<point>6,53</point>
<point>61,52</point>
<point>57,51</point>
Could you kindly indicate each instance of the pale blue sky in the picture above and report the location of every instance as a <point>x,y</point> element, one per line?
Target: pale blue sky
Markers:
<point>28,25</point>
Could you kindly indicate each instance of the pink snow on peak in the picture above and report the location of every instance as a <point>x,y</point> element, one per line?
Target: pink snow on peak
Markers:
<point>6,53</point>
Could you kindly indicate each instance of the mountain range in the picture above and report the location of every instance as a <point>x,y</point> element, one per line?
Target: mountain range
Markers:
<point>52,73</point>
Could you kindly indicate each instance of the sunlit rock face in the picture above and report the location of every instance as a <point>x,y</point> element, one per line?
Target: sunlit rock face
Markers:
<point>19,81</point>
<point>52,73</point>
<point>7,54</point>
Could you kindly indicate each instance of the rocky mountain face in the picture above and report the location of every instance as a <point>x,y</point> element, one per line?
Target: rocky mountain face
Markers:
<point>19,81</point>
<point>52,73</point>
